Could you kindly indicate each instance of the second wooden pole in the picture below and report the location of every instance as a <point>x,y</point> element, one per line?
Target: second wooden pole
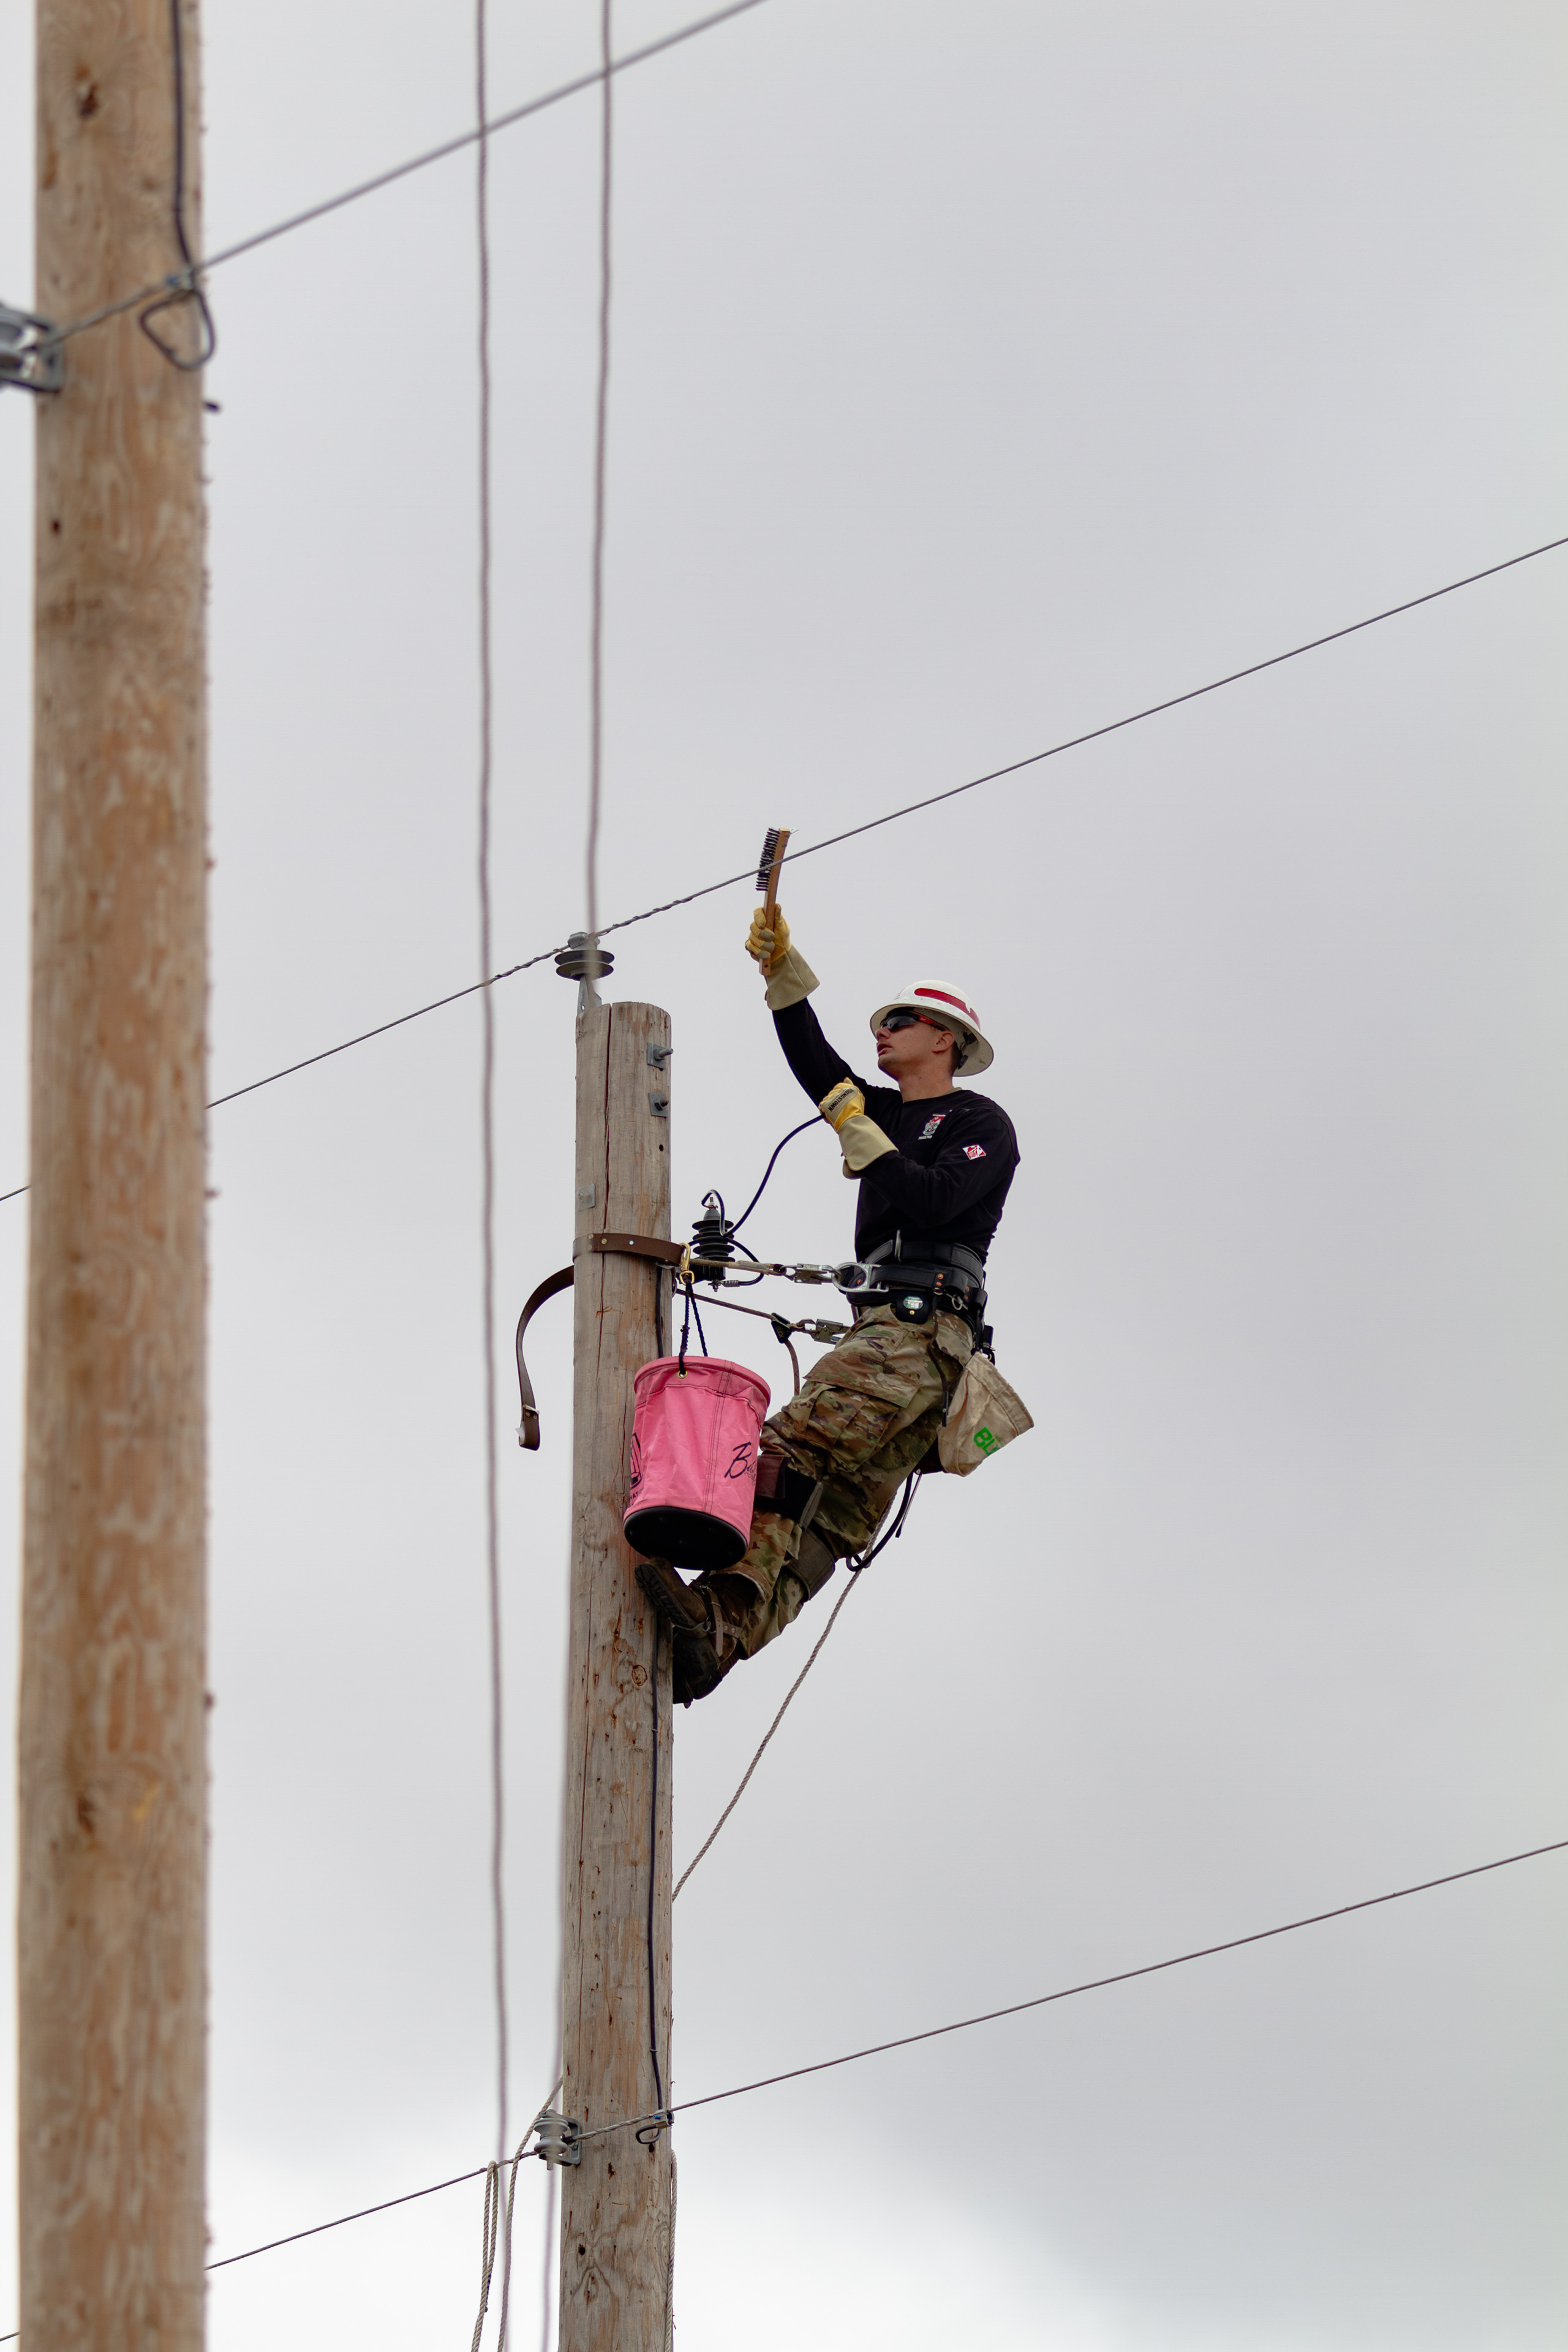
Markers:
<point>111,1924</point>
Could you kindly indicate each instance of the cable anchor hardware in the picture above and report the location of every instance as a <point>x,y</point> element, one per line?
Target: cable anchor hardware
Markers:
<point>28,358</point>
<point>559,2139</point>
<point>648,2132</point>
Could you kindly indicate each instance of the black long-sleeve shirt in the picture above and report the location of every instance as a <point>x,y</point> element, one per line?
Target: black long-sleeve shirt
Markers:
<point>954,1154</point>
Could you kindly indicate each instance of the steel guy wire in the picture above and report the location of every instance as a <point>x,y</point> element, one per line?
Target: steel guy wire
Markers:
<point>831,841</point>
<point>186,278</point>
<point>486,1107</point>
<point>903,2041</point>
<point>1093,1984</point>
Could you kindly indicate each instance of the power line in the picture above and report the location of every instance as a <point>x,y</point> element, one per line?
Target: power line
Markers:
<point>1173,702</point>
<point>931,2034</point>
<point>409,2197</point>
<point>186,278</point>
<point>991,775</point>
<point>1094,1984</point>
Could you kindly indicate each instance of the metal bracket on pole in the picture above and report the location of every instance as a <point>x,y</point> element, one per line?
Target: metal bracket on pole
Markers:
<point>28,359</point>
<point>558,2138</point>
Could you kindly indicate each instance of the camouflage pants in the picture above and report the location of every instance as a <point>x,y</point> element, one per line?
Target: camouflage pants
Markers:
<point>866,1413</point>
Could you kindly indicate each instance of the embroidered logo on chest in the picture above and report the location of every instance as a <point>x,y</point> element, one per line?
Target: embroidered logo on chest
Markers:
<point>929,1129</point>
<point>975,1151</point>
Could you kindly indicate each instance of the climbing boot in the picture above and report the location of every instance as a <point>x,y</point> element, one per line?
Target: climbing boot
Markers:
<point>702,1643</point>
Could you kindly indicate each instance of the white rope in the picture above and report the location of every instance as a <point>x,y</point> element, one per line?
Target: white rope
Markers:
<point>486,2247</point>
<point>767,1737</point>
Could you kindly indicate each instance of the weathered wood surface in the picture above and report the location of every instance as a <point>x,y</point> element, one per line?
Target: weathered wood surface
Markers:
<point>111,1921</point>
<point>615,2212</point>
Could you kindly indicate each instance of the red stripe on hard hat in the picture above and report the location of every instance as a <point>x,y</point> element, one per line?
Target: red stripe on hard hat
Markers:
<point>943,998</point>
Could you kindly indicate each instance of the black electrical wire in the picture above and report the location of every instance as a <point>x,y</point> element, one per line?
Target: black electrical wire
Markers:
<point>866,1558</point>
<point>183,284</point>
<point>768,1172</point>
<point>690,897</point>
<point>652,1882</point>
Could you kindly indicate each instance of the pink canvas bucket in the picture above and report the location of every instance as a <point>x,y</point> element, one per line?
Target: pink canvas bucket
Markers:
<point>694,1460</point>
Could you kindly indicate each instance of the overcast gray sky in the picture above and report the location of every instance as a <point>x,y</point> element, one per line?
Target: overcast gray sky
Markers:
<point>981,373</point>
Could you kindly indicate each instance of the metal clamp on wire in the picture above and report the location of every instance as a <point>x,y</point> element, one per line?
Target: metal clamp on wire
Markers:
<point>560,2140</point>
<point>27,358</point>
<point>647,2133</point>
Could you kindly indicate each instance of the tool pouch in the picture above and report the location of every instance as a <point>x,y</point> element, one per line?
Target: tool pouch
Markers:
<point>986,1414</point>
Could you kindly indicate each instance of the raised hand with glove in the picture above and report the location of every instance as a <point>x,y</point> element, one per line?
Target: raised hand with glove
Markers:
<point>789,976</point>
<point>844,1108</point>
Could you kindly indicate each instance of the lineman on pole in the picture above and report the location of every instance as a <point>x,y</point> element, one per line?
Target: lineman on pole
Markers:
<point>933,1167</point>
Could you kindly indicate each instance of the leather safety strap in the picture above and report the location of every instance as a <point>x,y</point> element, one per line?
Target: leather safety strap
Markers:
<point>643,1245</point>
<point>528,1427</point>
<point>634,1246</point>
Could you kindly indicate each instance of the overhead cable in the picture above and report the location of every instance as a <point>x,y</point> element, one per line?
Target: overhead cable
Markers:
<point>186,279</point>
<point>986,2017</point>
<point>991,775</point>
<point>1093,1984</point>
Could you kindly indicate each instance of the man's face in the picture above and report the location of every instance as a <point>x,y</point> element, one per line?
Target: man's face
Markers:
<point>921,1049</point>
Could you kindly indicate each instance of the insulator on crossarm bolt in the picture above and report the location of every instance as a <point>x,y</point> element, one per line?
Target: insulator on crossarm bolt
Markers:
<point>578,960</point>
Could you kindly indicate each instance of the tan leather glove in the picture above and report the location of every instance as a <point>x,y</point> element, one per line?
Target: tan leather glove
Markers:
<point>789,976</point>
<point>844,1108</point>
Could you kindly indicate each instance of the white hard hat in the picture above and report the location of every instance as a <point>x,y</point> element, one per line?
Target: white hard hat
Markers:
<point>950,1010</point>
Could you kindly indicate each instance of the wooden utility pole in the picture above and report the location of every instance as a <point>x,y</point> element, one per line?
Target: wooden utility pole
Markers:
<point>615,2207</point>
<point>112,1909</point>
